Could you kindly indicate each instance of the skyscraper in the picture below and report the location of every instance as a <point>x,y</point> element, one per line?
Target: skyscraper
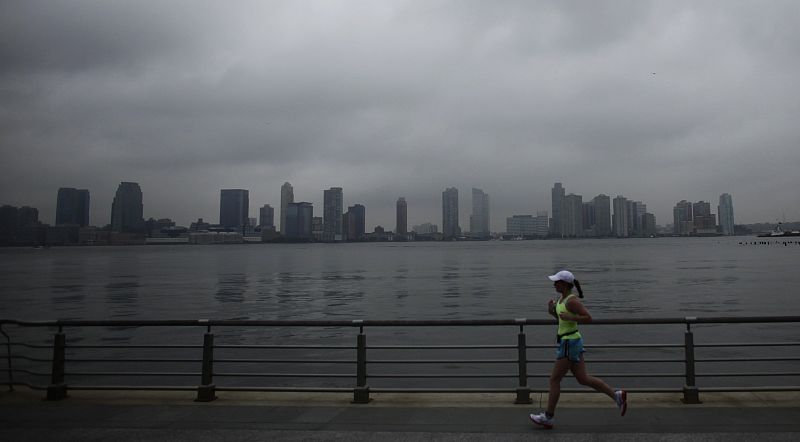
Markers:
<point>9,223</point>
<point>638,228</point>
<point>588,218</point>
<point>572,216</point>
<point>402,217</point>
<point>266,217</point>
<point>725,214</point>
<point>234,208</point>
<point>299,217</point>
<point>27,216</point>
<point>287,196</point>
<point>602,215</point>
<point>72,206</point>
<point>704,221</point>
<point>682,218</point>
<point>557,195</point>
<point>450,228</point>
<point>620,218</point>
<point>356,222</point>
<point>316,228</point>
<point>333,206</point>
<point>479,220</point>
<point>127,208</point>
<point>648,225</point>
<point>540,224</point>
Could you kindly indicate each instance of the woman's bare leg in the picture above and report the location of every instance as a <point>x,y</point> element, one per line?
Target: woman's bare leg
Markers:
<point>560,369</point>
<point>583,377</point>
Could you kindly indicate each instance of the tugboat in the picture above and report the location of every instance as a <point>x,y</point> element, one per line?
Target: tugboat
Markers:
<point>778,232</point>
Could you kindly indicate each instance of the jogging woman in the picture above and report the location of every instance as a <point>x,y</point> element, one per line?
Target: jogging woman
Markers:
<point>570,312</point>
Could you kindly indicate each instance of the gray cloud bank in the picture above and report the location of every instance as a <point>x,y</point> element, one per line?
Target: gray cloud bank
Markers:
<point>657,101</point>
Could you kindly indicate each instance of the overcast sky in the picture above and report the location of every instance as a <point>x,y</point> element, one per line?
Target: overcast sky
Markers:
<point>655,101</point>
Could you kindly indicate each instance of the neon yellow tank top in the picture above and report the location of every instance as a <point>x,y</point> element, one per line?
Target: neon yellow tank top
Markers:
<point>566,329</point>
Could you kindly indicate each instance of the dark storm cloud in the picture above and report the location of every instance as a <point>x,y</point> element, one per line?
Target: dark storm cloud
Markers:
<point>653,100</point>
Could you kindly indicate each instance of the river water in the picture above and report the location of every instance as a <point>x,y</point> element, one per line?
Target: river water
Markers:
<point>631,278</point>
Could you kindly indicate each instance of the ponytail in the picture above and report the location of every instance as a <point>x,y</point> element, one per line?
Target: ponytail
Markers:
<point>578,286</point>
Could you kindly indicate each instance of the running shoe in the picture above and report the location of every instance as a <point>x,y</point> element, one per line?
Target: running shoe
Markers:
<point>621,398</point>
<point>543,420</point>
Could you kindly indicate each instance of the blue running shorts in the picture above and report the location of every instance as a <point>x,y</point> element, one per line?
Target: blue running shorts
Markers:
<point>571,348</point>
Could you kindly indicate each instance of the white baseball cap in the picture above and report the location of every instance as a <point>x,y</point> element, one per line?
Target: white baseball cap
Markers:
<point>564,275</point>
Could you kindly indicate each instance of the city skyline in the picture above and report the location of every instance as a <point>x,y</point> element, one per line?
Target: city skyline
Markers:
<point>574,222</point>
<point>655,101</point>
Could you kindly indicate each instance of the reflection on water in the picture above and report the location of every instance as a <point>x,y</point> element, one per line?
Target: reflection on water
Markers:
<point>122,284</point>
<point>123,296</point>
<point>231,287</point>
<point>636,278</point>
<point>400,284</point>
<point>67,283</point>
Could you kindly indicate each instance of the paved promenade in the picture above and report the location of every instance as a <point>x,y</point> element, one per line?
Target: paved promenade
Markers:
<point>144,416</point>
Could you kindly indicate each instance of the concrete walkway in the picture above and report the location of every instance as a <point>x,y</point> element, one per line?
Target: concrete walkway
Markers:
<point>143,416</point>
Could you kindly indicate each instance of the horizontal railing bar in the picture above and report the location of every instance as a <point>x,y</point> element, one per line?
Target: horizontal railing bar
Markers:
<point>404,390</point>
<point>22,370</point>
<point>443,361</point>
<point>744,389</point>
<point>440,347</point>
<point>128,373</point>
<point>284,375</point>
<point>596,346</point>
<point>391,361</point>
<point>776,359</point>
<point>442,390</point>
<point>287,361</point>
<point>443,376</point>
<point>289,389</point>
<point>506,361</point>
<point>28,358</point>
<point>288,347</point>
<point>122,347</point>
<point>68,359</point>
<point>391,323</point>
<point>750,344</point>
<point>23,344</point>
<point>506,390</point>
<point>539,375</point>
<point>773,373</point>
<point>133,387</point>
<point>615,361</point>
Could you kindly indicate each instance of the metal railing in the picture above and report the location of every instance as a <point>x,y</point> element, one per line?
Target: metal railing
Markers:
<point>208,375</point>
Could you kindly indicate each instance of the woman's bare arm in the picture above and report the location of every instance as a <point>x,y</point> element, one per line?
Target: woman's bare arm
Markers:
<point>576,312</point>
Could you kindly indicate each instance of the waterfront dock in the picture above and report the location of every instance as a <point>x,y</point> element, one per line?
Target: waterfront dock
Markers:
<point>150,415</point>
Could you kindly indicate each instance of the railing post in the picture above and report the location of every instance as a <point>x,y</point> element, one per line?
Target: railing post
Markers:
<point>57,389</point>
<point>691,394</point>
<point>523,392</point>
<point>361,392</point>
<point>206,391</point>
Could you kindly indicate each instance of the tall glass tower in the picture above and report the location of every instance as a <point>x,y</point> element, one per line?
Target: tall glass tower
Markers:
<point>127,208</point>
<point>479,220</point>
<point>450,227</point>
<point>332,208</point>
<point>725,210</point>
<point>402,217</point>
<point>234,208</point>
<point>72,206</point>
<point>287,196</point>
<point>557,195</point>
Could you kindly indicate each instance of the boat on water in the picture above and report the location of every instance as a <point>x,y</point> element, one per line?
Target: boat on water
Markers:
<point>778,232</point>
